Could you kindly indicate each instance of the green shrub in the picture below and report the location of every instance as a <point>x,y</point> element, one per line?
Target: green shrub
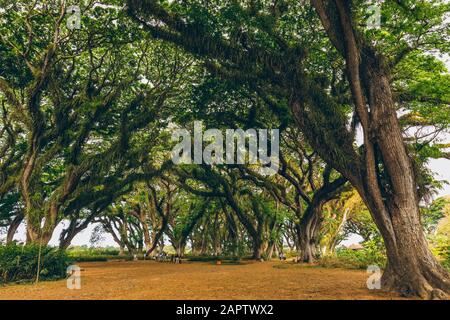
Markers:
<point>97,258</point>
<point>20,263</point>
<point>290,254</point>
<point>446,263</point>
<point>440,245</point>
<point>355,259</point>
<point>443,254</point>
<point>85,254</point>
<point>200,258</point>
<point>88,258</point>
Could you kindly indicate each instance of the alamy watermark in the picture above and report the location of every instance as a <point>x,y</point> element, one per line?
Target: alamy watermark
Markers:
<point>374,15</point>
<point>74,277</point>
<point>229,148</point>
<point>74,19</point>
<point>374,280</point>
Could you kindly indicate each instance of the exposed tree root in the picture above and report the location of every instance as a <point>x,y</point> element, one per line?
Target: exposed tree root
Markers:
<point>426,284</point>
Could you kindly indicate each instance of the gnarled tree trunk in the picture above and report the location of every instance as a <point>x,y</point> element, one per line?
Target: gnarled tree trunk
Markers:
<point>412,269</point>
<point>309,228</point>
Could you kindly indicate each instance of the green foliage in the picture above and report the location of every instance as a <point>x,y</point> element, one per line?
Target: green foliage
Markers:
<point>84,254</point>
<point>99,258</point>
<point>237,250</point>
<point>372,254</point>
<point>441,248</point>
<point>432,214</point>
<point>9,207</point>
<point>440,239</point>
<point>84,250</point>
<point>20,263</point>
<point>361,223</point>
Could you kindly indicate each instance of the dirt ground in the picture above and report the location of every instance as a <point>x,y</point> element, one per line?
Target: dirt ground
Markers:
<point>199,280</point>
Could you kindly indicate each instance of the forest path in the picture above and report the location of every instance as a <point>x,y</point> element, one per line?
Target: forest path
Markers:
<point>201,280</point>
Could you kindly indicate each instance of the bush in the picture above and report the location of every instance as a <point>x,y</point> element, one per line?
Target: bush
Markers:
<point>201,258</point>
<point>82,258</point>
<point>84,251</point>
<point>440,245</point>
<point>19,263</point>
<point>98,258</point>
<point>355,259</point>
<point>446,263</point>
<point>290,254</point>
<point>84,254</point>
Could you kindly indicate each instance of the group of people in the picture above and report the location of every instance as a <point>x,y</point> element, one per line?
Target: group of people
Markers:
<point>163,257</point>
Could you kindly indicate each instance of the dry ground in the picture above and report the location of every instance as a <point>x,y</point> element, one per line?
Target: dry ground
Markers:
<point>153,280</point>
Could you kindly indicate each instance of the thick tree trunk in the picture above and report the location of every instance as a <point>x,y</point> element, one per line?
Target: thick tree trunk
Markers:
<point>203,245</point>
<point>232,231</point>
<point>312,219</point>
<point>41,225</point>
<point>254,233</point>
<point>143,220</point>
<point>159,236</point>
<point>308,235</point>
<point>278,250</point>
<point>270,251</point>
<point>179,250</point>
<point>37,235</point>
<point>257,250</point>
<point>216,235</point>
<point>307,249</point>
<point>147,239</point>
<point>412,269</point>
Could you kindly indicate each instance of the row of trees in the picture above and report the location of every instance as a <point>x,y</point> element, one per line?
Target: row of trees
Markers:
<point>86,118</point>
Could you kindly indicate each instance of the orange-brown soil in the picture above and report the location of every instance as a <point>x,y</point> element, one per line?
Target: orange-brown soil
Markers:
<point>200,280</point>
